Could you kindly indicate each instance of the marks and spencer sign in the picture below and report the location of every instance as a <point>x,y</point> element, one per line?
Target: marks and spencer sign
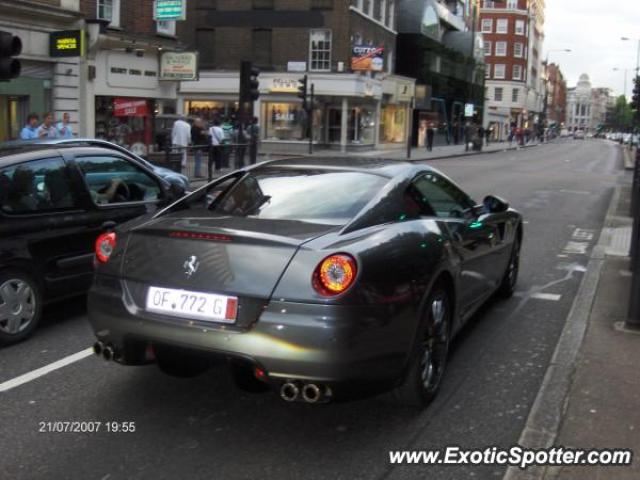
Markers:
<point>167,10</point>
<point>68,43</point>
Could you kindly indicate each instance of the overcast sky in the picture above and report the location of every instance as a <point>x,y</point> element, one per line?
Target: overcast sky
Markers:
<point>592,30</point>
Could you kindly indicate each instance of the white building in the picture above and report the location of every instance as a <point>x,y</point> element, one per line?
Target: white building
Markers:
<point>586,106</point>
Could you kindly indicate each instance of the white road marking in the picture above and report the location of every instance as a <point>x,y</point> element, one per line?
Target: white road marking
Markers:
<point>582,234</point>
<point>579,248</point>
<point>34,374</point>
<point>563,256</point>
<point>546,296</point>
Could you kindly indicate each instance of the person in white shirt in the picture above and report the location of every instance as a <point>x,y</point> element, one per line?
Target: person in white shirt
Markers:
<point>181,138</point>
<point>215,154</point>
<point>47,129</point>
<point>64,128</point>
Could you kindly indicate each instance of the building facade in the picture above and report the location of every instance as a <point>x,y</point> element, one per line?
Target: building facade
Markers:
<point>346,48</point>
<point>587,107</point>
<point>556,96</point>
<point>439,45</point>
<point>46,83</point>
<point>513,32</point>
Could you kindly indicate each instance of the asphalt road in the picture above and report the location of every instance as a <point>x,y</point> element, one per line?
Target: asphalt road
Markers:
<point>205,428</point>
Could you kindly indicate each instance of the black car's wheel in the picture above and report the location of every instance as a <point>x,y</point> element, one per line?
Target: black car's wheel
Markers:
<point>20,306</point>
<point>429,359</point>
<point>180,363</point>
<point>510,278</point>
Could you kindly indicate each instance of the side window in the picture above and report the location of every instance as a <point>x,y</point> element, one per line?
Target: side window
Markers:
<point>38,186</point>
<point>443,197</point>
<point>113,180</point>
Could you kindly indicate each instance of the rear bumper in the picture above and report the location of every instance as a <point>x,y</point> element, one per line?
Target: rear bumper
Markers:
<point>331,344</point>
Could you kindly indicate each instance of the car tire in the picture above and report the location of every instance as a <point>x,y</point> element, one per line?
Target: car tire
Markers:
<point>510,278</point>
<point>429,358</point>
<point>20,305</point>
<point>180,363</point>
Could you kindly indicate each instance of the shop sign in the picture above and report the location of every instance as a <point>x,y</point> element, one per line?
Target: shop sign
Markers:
<point>167,10</point>
<point>179,66</point>
<point>296,66</point>
<point>126,107</point>
<point>284,85</point>
<point>367,58</point>
<point>468,109</point>
<point>67,43</point>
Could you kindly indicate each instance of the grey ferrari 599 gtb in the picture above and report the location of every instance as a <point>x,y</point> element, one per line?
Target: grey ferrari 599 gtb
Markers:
<point>318,279</point>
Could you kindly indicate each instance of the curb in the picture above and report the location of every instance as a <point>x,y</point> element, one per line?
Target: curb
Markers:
<point>468,154</point>
<point>627,158</point>
<point>545,417</point>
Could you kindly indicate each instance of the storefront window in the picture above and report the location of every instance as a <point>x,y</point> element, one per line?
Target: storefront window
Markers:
<point>360,125</point>
<point>392,124</point>
<point>210,110</point>
<point>284,121</point>
<point>125,121</point>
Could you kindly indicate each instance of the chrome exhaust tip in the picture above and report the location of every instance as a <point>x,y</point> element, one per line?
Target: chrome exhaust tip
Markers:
<point>289,392</point>
<point>108,353</point>
<point>98,348</point>
<point>311,393</point>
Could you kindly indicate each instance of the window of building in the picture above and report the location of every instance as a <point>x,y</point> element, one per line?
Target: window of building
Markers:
<point>367,7</point>
<point>487,25</point>
<point>391,14</point>
<point>487,70</point>
<point>487,48</point>
<point>321,4</point>
<point>320,50</point>
<point>206,4</point>
<point>497,94</point>
<point>512,3</point>
<point>515,93</point>
<point>109,10</point>
<point>262,4</point>
<point>377,10</point>
<point>517,50</point>
<point>519,27</point>
<point>499,71</point>
<point>501,49</point>
<point>261,47</point>
<point>166,27</point>
<point>502,25</point>
<point>517,72</point>
<point>36,187</point>
<point>206,45</point>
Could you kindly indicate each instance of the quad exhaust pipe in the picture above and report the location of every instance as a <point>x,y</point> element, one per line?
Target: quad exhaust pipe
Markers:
<point>308,392</point>
<point>106,351</point>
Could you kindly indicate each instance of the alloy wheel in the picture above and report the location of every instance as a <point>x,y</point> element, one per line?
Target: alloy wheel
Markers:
<point>17,306</point>
<point>436,343</point>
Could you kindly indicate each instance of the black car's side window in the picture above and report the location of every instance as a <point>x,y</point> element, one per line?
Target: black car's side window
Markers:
<point>38,186</point>
<point>443,198</point>
<point>112,180</point>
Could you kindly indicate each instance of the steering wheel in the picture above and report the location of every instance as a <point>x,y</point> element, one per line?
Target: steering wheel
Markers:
<point>123,192</point>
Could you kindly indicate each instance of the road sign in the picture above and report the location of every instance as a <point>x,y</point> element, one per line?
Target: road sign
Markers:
<point>167,10</point>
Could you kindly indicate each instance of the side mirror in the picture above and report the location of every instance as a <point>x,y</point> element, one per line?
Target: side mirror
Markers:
<point>176,192</point>
<point>495,204</point>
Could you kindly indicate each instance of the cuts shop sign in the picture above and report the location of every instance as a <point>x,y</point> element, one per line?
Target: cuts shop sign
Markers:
<point>125,107</point>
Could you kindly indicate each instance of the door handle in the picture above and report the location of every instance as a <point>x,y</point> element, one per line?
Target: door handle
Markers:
<point>108,225</point>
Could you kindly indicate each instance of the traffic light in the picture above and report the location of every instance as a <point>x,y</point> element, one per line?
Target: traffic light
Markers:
<point>10,46</point>
<point>249,84</point>
<point>302,91</point>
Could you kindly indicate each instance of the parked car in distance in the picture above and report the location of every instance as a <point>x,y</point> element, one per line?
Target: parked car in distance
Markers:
<point>315,278</point>
<point>177,179</point>
<point>578,135</point>
<point>55,200</point>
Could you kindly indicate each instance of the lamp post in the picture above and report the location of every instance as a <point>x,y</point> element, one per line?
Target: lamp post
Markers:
<point>627,39</point>
<point>626,71</point>
<point>546,81</point>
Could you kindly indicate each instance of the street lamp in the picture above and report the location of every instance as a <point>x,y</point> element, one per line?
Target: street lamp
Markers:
<point>627,39</point>
<point>626,71</point>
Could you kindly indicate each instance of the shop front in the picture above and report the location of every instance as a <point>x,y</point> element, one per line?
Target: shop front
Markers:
<point>126,121</point>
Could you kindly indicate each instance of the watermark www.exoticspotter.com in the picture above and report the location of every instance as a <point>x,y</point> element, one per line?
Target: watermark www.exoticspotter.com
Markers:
<point>515,456</point>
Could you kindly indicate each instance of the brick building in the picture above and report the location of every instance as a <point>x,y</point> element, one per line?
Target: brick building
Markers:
<point>556,96</point>
<point>359,106</point>
<point>513,32</point>
<point>122,91</point>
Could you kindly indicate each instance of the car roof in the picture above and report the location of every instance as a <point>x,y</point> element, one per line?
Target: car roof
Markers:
<point>377,166</point>
<point>12,154</point>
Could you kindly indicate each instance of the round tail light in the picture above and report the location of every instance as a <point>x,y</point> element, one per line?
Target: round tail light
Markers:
<point>105,244</point>
<point>335,274</point>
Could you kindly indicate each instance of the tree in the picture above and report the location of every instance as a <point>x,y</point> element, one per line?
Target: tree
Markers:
<point>636,99</point>
<point>621,115</point>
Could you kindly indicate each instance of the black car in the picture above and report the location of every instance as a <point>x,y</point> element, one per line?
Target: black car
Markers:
<point>315,278</point>
<point>54,202</point>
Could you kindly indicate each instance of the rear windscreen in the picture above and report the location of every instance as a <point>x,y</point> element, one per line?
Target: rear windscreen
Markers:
<point>317,196</point>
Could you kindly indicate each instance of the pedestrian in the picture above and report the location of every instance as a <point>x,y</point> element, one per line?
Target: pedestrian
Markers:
<point>30,130</point>
<point>216,136</point>
<point>241,139</point>
<point>199,142</point>
<point>47,129</point>
<point>227,126</point>
<point>468,132</point>
<point>481,135</point>
<point>181,138</point>
<point>430,134</point>
<point>488,133</point>
<point>64,126</point>
<point>254,139</point>
<point>456,133</point>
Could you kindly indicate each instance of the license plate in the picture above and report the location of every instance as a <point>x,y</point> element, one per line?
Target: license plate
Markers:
<point>197,305</point>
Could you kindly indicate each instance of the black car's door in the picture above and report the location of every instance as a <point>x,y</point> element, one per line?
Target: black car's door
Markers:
<point>44,223</point>
<point>116,189</point>
<point>471,238</point>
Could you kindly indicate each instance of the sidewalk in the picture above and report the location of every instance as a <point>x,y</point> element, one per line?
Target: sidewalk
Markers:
<point>590,397</point>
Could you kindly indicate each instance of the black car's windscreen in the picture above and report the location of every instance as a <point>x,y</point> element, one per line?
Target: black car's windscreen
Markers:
<point>316,196</point>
